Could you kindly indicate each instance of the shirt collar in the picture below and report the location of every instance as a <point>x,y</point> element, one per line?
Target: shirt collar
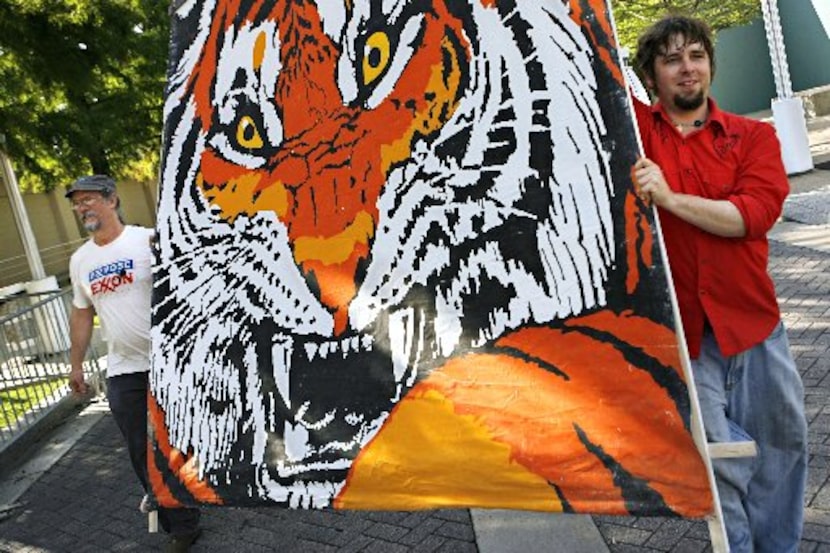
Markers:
<point>716,116</point>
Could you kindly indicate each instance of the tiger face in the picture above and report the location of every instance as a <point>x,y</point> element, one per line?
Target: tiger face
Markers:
<point>352,194</point>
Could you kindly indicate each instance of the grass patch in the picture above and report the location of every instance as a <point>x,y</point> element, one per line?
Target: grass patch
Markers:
<point>16,401</point>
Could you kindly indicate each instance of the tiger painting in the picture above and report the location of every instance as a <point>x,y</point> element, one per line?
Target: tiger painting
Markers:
<point>399,266</point>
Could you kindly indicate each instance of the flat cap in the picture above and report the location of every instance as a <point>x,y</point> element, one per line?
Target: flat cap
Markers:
<point>92,183</point>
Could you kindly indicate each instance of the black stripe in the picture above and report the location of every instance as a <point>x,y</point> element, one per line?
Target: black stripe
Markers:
<point>171,479</point>
<point>524,356</point>
<point>566,505</point>
<point>639,497</point>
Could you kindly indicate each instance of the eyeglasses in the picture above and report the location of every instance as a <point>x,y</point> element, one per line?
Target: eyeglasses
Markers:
<point>84,202</point>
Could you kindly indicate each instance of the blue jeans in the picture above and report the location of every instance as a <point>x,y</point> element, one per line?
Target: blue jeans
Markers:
<point>127,396</point>
<point>757,395</point>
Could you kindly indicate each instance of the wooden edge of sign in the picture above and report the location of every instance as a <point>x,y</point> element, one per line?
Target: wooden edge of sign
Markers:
<point>717,533</point>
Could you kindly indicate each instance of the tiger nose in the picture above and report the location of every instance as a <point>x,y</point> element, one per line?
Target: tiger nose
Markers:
<point>332,262</point>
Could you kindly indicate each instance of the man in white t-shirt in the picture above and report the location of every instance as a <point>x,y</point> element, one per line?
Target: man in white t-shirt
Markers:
<point>111,276</point>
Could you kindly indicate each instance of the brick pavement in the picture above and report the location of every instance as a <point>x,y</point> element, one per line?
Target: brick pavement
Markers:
<point>88,502</point>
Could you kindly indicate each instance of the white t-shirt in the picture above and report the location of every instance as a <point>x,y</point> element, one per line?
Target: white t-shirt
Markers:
<point>116,280</point>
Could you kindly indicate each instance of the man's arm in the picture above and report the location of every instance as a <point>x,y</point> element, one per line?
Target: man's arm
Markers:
<point>80,334</point>
<point>719,217</point>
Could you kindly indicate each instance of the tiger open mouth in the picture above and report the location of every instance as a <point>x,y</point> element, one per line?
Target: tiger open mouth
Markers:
<point>323,428</point>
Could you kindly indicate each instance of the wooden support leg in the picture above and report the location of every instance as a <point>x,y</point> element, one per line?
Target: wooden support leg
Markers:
<point>728,450</point>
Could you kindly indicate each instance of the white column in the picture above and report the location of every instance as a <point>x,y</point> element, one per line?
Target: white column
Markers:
<point>21,218</point>
<point>822,8</point>
<point>787,109</point>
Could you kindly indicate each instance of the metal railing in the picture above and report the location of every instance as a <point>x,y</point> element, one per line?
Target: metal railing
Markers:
<point>34,360</point>
<point>55,259</point>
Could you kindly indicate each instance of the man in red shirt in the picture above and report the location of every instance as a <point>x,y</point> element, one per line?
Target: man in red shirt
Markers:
<point>719,184</point>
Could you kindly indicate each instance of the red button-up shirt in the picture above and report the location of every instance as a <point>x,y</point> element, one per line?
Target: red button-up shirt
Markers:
<point>724,280</point>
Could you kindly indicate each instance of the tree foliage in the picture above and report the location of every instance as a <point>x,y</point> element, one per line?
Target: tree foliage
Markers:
<point>633,16</point>
<point>81,87</point>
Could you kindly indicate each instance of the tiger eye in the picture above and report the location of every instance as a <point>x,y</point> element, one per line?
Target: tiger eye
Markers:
<point>376,55</point>
<point>247,133</point>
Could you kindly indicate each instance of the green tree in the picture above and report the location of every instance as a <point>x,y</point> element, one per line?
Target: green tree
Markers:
<point>81,87</point>
<point>633,16</point>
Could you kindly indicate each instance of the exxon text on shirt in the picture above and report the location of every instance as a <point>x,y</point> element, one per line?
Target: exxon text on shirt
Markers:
<point>109,277</point>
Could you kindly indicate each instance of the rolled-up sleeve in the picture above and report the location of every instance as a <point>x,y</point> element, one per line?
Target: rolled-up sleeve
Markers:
<point>762,184</point>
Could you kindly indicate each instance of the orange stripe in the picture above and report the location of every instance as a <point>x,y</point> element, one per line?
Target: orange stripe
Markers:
<point>532,411</point>
<point>184,468</point>
<point>624,411</point>
<point>514,402</point>
<point>600,16</point>
<point>638,241</point>
<point>163,494</point>
<point>652,338</point>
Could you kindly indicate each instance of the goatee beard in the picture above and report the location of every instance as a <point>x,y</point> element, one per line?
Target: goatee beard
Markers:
<point>92,225</point>
<point>689,103</point>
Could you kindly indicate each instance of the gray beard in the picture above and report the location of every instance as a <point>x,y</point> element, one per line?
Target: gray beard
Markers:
<point>92,226</point>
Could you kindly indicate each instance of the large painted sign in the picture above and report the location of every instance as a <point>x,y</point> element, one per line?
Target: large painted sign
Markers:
<point>400,265</point>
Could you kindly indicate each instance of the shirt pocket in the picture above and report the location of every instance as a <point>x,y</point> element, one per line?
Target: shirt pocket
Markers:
<point>719,184</point>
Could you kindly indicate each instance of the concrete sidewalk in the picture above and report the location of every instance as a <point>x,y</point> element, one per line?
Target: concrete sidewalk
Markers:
<point>78,493</point>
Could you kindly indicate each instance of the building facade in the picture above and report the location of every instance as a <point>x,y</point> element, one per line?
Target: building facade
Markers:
<point>744,81</point>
